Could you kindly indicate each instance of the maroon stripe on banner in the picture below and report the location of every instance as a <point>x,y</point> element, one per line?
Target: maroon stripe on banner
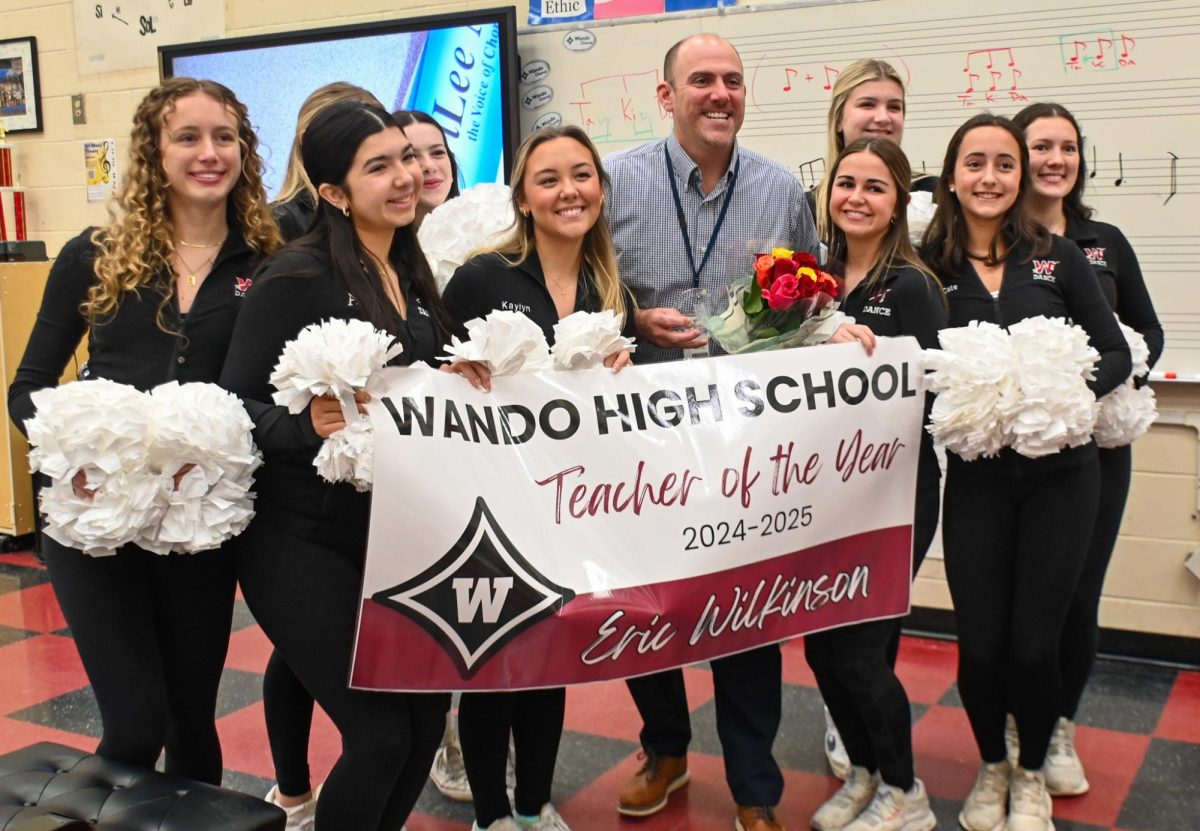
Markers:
<point>643,629</point>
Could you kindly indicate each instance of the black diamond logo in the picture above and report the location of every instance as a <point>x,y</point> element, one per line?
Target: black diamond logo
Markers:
<point>479,595</point>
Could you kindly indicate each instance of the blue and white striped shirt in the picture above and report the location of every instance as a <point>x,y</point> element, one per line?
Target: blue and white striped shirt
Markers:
<point>767,208</point>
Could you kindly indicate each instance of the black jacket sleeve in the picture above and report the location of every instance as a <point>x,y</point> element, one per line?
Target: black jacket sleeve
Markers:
<point>283,300</point>
<point>1087,306</point>
<point>1134,306</point>
<point>58,329</point>
<point>469,293</point>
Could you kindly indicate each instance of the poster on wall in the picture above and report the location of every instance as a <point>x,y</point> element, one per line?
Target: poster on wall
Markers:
<point>126,34</point>
<point>546,12</point>
<point>20,91</point>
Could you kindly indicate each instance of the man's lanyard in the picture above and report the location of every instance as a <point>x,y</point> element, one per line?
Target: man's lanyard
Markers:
<point>679,215</point>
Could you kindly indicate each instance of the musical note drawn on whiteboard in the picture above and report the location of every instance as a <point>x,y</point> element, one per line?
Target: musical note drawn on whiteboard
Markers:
<point>994,62</point>
<point>1174,179</point>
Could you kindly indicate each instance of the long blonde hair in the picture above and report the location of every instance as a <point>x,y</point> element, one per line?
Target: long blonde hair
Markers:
<point>137,245</point>
<point>295,180</point>
<point>852,76</point>
<point>598,251</point>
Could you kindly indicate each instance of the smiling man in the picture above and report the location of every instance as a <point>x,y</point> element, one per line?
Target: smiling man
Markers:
<point>690,211</point>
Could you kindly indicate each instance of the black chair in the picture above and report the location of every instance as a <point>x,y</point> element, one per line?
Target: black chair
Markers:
<point>49,787</point>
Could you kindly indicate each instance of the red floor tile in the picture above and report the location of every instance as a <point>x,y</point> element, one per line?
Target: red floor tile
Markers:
<point>946,756</point>
<point>1181,717</point>
<point>244,743</point>
<point>795,666</point>
<point>1111,760</point>
<point>37,669</point>
<point>603,710</point>
<point>25,559</point>
<point>927,668</point>
<point>15,734</point>
<point>249,650</point>
<point>34,608</point>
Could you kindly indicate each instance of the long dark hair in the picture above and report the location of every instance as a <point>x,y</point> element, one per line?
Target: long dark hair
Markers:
<point>945,244</point>
<point>328,149</point>
<point>895,249</point>
<point>1073,201</point>
<point>407,117</point>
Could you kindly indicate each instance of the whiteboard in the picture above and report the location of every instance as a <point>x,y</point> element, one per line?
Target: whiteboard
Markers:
<point>1127,71</point>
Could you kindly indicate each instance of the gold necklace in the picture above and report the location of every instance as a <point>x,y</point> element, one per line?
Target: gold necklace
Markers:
<point>560,288</point>
<point>191,277</point>
<point>216,244</point>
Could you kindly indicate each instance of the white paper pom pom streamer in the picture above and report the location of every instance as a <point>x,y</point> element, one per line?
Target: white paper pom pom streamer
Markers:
<point>1127,412</point>
<point>475,219</point>
<point>920,213</point>
<point>972,375</point>
<point>336,357</point>
<point>1054,363</point>
<point>585,339</point>
<point>507,342</point>
<point>203,426</point>
<point>103,429</point>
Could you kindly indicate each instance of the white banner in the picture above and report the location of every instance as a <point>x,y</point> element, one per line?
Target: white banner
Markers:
<point>582,526</point>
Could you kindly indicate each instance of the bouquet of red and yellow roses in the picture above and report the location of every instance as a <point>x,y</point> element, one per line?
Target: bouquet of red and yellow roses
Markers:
<point>788,301</point>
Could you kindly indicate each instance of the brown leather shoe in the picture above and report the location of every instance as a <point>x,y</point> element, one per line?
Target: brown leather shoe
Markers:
<point>757,818</point>
<point>647,790</point>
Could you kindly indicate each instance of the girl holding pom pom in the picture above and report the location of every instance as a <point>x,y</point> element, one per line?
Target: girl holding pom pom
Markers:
<point>157,292</point>
<point>1059,171</point>
<point>890,290</point>
<point>557,259</point>
<point>1015,529</point>
<point>300,562</point>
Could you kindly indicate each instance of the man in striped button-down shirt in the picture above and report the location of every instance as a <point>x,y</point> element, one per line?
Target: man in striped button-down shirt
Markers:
<point>750,201</point>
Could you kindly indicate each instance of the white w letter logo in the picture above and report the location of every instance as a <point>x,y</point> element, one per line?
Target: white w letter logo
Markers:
<point>485,593</point>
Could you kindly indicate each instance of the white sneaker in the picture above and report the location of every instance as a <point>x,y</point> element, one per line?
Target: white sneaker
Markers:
<point>1064,770</point>
<point>1012,741</point>
<point>502,824</point>
<point>448,773</point>
<point>984,808</point>
<point>548,820</point>
<point>1028,802</point>
<point>892,809</point>
<point>835,751</point>
<point>300,817</point>
<point>848,802</point>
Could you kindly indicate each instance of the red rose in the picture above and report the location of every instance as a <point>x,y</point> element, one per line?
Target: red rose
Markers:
<point>783,293</point>
<point>805,260</point>
<point>783,266</point>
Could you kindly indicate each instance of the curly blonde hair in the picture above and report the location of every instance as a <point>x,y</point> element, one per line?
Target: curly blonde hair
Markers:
<point>137,246</point>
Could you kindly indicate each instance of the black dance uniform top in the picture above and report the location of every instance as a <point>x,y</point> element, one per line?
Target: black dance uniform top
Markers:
<point>298,287</point>
<point>295,215</point>
<point>486,283</point>
<point>1060,284</point>
<point>1116,267</point>
<point>906,302</point>
<point>127,345</point>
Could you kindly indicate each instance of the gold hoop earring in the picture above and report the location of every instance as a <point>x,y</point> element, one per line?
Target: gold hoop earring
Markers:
<point>346,211</point>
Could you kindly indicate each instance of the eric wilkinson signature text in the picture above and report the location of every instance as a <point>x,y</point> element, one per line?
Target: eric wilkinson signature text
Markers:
<point>760,606</point>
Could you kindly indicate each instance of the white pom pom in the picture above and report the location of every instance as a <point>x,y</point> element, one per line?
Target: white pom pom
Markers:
<point>473,220</point>
<point>508,342</point>
<point>1054,362</point>
<point>585,339</point>
<point>1126,414</point>
<point>205,427</point>
<point>920,213</point>
<point>336,357</point>
<point>972,375</point>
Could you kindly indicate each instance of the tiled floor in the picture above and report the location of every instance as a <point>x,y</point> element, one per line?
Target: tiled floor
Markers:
<point>1139,732</point>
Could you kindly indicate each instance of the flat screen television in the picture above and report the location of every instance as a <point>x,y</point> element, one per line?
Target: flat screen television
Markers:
<point>461,68</point>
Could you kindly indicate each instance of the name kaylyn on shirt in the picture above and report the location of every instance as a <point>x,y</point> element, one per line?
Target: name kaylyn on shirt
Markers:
<point>665,409</point>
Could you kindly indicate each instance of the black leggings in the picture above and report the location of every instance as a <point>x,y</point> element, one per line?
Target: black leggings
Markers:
<point>1081,633</point>
<point>306,598</point>
<point>1016,536</point>
<point>855,671</point>
<point>535,719</point>
<point>288,709</point>
<point>152,632</point>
